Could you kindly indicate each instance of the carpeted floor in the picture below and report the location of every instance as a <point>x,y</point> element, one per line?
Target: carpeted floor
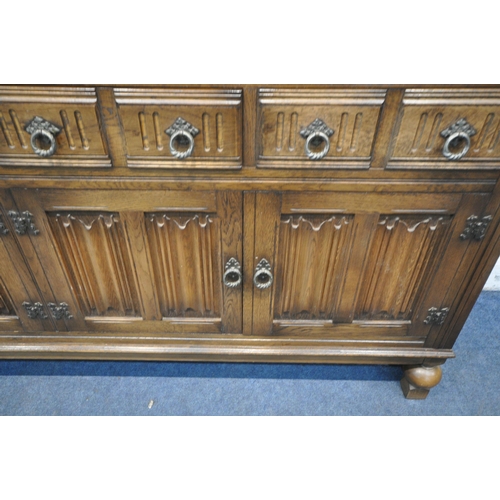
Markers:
<point>469,385</point>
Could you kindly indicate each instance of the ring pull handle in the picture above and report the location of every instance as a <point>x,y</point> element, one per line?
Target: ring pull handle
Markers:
<point>182,135</point>
<point>232,275</point>
<point>43,136</point>
<point>263,277</point>
<point>458,133</point>
<point>316,134</point>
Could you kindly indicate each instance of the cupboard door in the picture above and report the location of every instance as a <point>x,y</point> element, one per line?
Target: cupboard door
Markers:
<point>360,266</point>
<point>9,288</point>
<point>141,261</point>
<point>22,307</point>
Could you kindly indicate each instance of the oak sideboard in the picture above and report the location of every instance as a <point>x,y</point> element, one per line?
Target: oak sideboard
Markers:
<point>248,223</point>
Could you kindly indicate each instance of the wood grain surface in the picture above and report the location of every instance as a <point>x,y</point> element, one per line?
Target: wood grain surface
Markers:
<point>132,242</point>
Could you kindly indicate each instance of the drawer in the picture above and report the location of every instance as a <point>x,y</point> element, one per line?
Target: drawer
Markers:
<point>317,128</point>
<point>50,127</point>
<point>181,128</point>
<point>447,129</point>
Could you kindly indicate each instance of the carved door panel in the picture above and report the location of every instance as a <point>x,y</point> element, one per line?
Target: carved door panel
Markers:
<point>359,266</point>
<point>21,305</point>
<point>147,262</point>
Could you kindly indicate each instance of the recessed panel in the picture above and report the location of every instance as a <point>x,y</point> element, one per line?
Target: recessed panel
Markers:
<point>400,257</point>
<point>95,254</point>
<point>347,119</point>
<point>448,129</point>
<point>73,111</point>
<point>212,118</point>
<point>312,264</point>
<point>184,251</point>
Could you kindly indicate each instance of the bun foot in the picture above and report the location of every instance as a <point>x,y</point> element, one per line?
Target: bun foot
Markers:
<point>418,380</point>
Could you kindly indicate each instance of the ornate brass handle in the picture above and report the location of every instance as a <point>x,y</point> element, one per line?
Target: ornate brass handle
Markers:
<point>263,277</point>
<point>458,132</point>
<point>232,275</point>
<point>315,134</point>
<point>43,136</point>
<point>181,133</point>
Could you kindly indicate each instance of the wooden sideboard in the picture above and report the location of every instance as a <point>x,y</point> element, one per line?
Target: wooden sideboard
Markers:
<point>249,223</point>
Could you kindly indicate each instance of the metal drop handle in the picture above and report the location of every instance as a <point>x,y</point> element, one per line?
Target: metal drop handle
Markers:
<point>460,131</point>
<point>316,133</point>
<point>43,136</point>
<point>181,132</point>
<point>184,137</point>
<point>263,277</point>
<point>232,275</point>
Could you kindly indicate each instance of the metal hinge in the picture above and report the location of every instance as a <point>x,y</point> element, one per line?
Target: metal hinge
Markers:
<point>60,311</point>
<point>436,316</point>
<point>35,311</point>
<point>23,222</point>
<point>476,227</point>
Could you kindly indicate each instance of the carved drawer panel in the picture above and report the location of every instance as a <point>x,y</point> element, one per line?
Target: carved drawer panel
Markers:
<point>317,128</point>
<point>51,127</point>
<point>448,129</point>
<point>184,128</point>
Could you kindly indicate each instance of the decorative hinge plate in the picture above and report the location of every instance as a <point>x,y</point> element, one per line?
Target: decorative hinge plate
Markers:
<point>60,311</point>
<point>35,311</point>
<point>23,222</point>
<point>476,227</point>
<point>436,316</point>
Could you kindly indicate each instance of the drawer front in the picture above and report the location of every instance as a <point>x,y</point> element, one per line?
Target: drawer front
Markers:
<point>317,128</point>
<point>66,132</point>
<point>448,129</point>
<point>183,128</point>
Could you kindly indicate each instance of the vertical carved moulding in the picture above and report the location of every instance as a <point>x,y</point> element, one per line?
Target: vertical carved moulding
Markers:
<point>35,311</point>
<point>3,229</point>
<point>476,227</point>
<point>436,316</point>
<point>23,222</point>
<point>60,311</point>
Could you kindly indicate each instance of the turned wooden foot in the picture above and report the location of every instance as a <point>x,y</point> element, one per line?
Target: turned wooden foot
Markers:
<point>418,380</point>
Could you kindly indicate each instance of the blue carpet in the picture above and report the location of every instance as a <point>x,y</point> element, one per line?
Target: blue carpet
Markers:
<point>469,385</point>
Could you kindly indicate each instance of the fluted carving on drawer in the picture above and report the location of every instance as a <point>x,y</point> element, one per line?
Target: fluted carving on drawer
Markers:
<point>94,250</point>
<point>426,113</point>
<point>398,263</point>
<point>146,114</point>
<point>6,132</point>
<point>72,109</point>
<point>212,131</point>
<point>314,250</point>
<point>284,113</point>
<point>183,251</point>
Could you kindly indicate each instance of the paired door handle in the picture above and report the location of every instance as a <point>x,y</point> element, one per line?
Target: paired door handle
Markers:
<point>262,278</point>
